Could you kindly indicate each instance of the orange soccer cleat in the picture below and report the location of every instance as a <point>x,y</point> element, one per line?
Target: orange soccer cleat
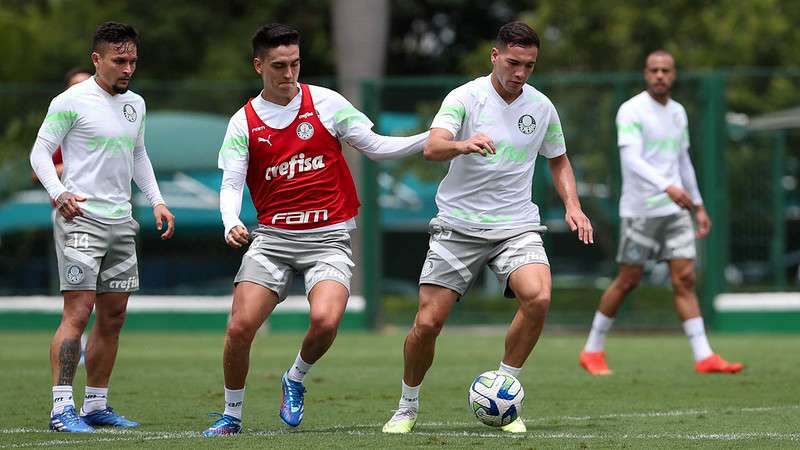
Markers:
<point>715,364</point>
<point>594,363</point>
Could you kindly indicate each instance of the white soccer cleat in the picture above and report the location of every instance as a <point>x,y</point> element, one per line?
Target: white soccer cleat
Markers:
<point>517,426</point>
<point>402,421</point>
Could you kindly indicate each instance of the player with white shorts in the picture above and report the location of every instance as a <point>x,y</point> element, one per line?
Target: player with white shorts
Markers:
<point>99,125</point>
<point>491,130</point>
<point>659,192</point>
<point>285,144</point>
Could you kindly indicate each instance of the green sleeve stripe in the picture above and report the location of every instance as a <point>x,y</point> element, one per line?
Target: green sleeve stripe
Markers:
<point>234,146</point>
<point>350,115</point>
<point>456,113</point>
<point>61,121</point>
<point>554,134</point>
<point>633,128</point>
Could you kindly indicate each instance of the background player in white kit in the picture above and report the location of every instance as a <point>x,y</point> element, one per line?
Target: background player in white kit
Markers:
<point>659,189</point>
<point>100,127</point>
<point>285,144</point>
<point>491,130</point>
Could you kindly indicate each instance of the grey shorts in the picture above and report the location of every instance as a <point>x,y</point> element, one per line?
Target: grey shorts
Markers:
<point>660,238</point>
<point>456,256</point>
<point>95,256</point>
<point>274,257</point>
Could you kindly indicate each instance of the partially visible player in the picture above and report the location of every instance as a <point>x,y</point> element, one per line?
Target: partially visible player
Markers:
<point>99,124</point>
<point>659,193</point>
<point>284,144</point>
<point>491,130</point>
<point>71,78</point>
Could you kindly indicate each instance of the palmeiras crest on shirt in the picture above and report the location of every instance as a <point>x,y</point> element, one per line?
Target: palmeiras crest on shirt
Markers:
<point>527,124</point>
<point>74,274</point>
<point>129,112</point>
<point>305,130</point>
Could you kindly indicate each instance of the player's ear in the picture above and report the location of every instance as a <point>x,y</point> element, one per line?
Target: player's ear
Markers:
<point>95,58</point>
<point>494,54</point>
<point>258,65</point>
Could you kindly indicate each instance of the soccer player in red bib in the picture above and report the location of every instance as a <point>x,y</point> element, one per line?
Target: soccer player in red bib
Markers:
<point>285,144</point>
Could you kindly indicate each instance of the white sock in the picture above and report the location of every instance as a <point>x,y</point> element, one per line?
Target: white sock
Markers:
<point>95,400</point>
<point>299,369</point>
<point>62,397</point>
<point>696,332</point>
<point>409,397</point>
<point>597,336</point>
<point>234,398</point>
<point>513,371</point>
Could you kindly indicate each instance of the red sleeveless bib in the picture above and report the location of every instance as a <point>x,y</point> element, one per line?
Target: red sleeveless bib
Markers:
<point>297,176</point>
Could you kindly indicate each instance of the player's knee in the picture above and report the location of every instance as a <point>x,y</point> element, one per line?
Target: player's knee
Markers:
<point>428,326</point>
<point>241,331</point>
<point>684,280</point>
<point>534,301</point>
<point>628,283</point>
<point>324,325</point>
<point>110,322</point>
<point>76,318</point>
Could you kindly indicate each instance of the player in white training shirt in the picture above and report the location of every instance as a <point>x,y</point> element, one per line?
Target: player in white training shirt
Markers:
<point>659,190</point>
<point>491,130</point>
<point>285,144</point>
<point>100,127</point>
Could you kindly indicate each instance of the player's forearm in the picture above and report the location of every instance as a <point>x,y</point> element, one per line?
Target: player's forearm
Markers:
<point>230,199</point>
<point>630,158</point>
<point>42,164</point>
<point>564,181</point>
<point>145,177</point>
<point>378,148</point>
<point>440,149</point>
<point>689,178</point>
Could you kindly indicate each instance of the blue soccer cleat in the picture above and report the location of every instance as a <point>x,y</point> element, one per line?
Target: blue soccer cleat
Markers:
<point>68,421</point>
<point>223,426</point>
<point>291,401</point>
<point>107,417</point>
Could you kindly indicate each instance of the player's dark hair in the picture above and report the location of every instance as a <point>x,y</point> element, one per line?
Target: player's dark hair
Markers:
<point>518,34</point>
<point>75,71</point>
<point>114,33</point>
<point>659,52</point>
<point>274,35</point>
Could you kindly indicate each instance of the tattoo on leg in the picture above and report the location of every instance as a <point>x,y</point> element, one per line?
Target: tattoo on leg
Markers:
<point>68,356</point>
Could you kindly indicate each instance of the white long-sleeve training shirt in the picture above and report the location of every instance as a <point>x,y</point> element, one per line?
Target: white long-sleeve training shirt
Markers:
<point>338,116</point>
<point>102,143</point>
<point>653,142</point>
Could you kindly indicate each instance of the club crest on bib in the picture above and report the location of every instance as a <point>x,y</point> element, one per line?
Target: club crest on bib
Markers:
<point>74,274</point>
<point>305,130</point>
<point>129,112</point>
<point>526,124</point>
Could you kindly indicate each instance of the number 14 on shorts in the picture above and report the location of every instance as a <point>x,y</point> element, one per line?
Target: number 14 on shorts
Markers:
<point>79,240</point>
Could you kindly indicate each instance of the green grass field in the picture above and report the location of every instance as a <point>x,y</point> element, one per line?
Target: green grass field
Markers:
<point>170,382</point>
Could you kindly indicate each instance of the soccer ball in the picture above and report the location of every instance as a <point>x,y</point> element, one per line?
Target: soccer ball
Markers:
<point>496,398</point>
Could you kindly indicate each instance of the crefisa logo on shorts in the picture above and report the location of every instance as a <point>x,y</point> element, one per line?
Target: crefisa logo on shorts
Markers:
<point>129,112</point>
<point>305,130</point>
<point>130,283</point>
<point>74,274</point>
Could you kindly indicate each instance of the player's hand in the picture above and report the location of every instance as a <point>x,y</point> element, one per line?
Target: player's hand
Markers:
<point>67,204</point>
<point>703,222</point>
<point>162,214</point>
<point>238,237</point>
<point>680,197</point>
<point>578,221</point>
<point>478,143</point>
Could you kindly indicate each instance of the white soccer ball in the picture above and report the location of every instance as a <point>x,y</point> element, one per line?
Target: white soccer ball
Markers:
<point>496,398</point>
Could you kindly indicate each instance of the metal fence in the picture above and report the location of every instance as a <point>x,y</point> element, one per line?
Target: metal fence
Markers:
<point>748,177</point>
